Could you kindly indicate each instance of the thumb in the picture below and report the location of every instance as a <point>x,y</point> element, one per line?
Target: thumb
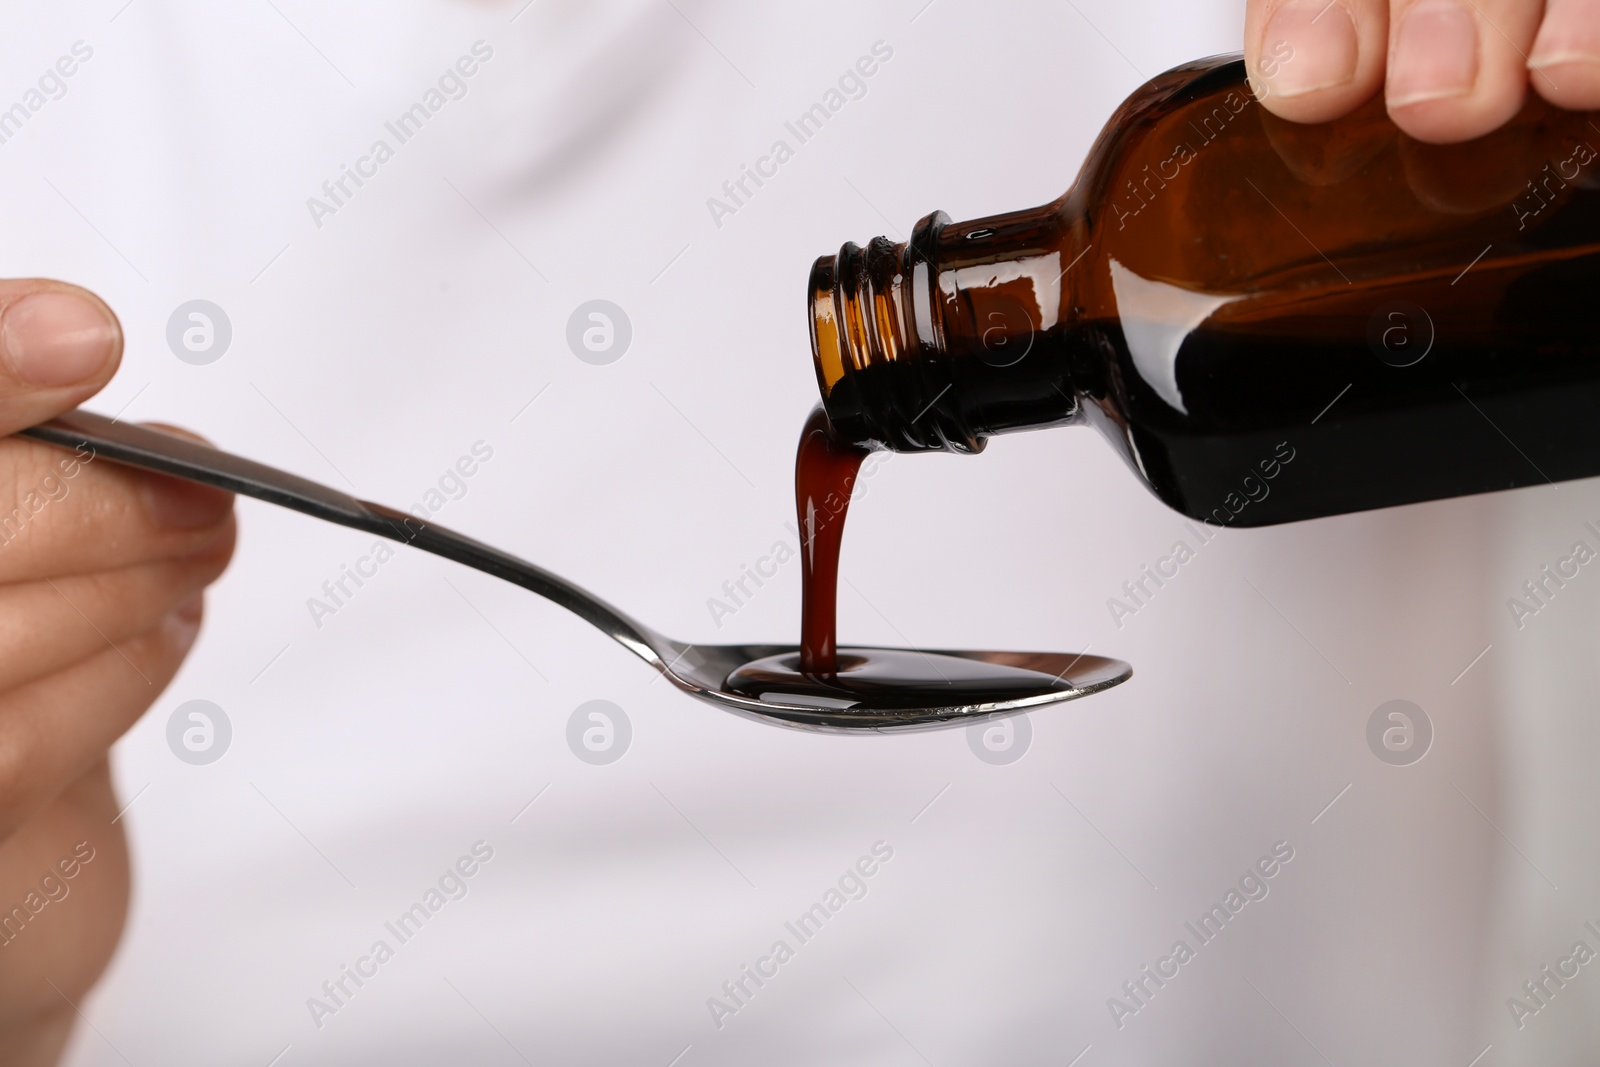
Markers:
<point>59,345</point>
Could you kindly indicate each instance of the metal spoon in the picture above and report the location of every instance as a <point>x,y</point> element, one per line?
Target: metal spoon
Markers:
<point>697,669</point>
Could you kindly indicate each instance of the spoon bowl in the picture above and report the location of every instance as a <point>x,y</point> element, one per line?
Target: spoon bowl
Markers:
<point>704,670</point>
<point>701,670</point>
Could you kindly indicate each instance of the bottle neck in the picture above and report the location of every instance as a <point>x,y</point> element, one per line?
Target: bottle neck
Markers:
<point>959,333</point>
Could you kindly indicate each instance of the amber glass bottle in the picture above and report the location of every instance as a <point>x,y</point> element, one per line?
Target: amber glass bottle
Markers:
<point>1270,321</point>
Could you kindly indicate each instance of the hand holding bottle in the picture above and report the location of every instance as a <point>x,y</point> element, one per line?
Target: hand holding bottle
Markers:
<point>101,573</point>
<point>1450,70</point>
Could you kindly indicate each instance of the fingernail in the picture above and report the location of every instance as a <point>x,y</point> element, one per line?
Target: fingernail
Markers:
<point>191,607</point>
<point>1435,53</point>
<point>1572,39</point>
<point>1544,60</point>
<point>1308,45</point>
<point>183,505</point>
<point>58,338</point>
<point>183,624</point>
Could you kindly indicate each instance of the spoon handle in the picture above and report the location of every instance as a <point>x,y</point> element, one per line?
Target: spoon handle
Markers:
<point>165,453</point>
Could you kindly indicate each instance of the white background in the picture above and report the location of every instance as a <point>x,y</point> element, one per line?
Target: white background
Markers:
<point>369,753</point>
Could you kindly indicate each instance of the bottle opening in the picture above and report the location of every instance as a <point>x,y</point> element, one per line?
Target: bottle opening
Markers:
<point>876,346</point>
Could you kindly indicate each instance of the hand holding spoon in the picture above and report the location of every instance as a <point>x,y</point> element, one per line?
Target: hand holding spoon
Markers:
<point>959,686</point>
